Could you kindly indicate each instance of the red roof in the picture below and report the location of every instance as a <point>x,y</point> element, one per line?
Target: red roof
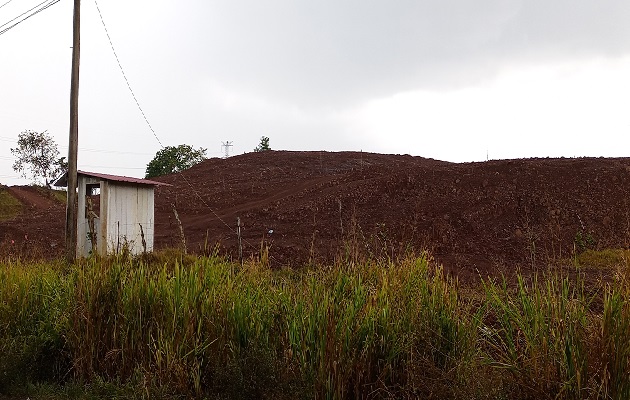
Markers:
<point>63,181</point>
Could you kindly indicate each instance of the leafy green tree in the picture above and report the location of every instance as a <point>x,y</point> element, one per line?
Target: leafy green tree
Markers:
<point>174,159</point>
<point>263,145</point>
<point>38,157</point>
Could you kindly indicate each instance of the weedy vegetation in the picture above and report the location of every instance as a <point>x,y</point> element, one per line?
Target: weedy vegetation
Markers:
<point>9,205</point>
<point>173,325</point>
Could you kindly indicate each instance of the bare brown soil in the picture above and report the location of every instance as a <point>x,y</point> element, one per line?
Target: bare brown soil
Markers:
<point>33,197</point>
<point>320,206</point>
<point>37,231</point>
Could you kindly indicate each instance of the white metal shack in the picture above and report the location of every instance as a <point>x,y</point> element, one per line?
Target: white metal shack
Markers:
<point>115,213</point>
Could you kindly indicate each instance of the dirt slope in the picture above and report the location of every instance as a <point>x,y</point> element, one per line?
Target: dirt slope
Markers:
<point>325,205</point>
<point>33,197</point>
<point>320,206</point>
<point>38,229</point>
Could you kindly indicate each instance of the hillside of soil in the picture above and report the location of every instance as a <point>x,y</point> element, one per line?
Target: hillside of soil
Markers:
<point>321,206</point>
<point>32,221</point>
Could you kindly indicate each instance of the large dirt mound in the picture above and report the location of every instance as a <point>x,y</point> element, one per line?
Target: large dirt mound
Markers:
<point>320,206</point>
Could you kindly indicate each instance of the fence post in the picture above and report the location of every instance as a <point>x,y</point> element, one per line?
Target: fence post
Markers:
<point>240,243</point>
<point>144,242</point>
<point>181,228</point>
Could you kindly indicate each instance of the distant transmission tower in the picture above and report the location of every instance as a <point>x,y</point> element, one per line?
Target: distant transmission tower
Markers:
<point>226,146</point>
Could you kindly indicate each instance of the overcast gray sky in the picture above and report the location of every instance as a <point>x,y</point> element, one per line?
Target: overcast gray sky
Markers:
<point>455,80</point>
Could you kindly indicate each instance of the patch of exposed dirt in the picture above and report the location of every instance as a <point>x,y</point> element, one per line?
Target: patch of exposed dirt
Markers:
<point>39,228</point>
<point>476,218</point>
<point>34,197</point>
<point>473,217</point>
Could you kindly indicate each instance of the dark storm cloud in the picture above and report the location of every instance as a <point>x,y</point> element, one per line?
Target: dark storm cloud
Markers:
<point>308,50</point>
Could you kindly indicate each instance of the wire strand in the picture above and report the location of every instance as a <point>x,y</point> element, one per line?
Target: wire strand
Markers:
<point>24,13</point>
<point>125,75</point>
<point>155,134</point>
<point>6,3</point>
<point>28,16</point>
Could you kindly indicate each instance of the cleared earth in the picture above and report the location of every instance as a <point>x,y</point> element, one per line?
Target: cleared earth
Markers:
<point>320,206</point>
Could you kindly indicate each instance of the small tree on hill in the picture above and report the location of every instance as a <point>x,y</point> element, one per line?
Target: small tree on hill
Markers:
<point>174,159</point>
<point>38,157</point>
<point>263,145</point>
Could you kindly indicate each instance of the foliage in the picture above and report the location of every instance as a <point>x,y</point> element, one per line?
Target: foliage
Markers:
<point>174,159</point>
<point>540,336</point>
<point>33,317</point>
<point>607,259</point>
<point>584,241</point>
<point>263,145</point>
<point>212,329</point>
<point>38,157</point>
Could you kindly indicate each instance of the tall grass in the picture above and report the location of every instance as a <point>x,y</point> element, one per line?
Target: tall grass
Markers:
<point>539,334</point>
<point>207,327</point>
<point>34,307</point>
<point>343,332</point>
<point>615,342</point>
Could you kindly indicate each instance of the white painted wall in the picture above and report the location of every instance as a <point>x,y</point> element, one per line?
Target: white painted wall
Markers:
<point>123,208</point>
<point>127,207</point>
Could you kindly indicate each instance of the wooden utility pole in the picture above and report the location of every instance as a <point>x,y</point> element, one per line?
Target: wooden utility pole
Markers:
<point>71,206</point>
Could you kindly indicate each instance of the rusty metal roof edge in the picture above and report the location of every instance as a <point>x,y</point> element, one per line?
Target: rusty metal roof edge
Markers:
<point>63,180</point>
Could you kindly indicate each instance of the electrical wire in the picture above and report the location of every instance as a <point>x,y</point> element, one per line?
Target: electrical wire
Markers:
<point>105,166</point>
<point>42,8</point>
<point>125,75</point>
<point>115,152</point>
<point>13,140</point>
<point>6,3</point>
<point>193,189</point>
<point>25,12</point>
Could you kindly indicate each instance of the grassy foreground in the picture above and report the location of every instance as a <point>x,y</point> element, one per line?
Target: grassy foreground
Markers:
<point>207,328</point>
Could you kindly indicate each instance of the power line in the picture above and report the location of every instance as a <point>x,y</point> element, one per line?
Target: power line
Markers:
<point>6,3</point>
<point>114,152</point>
<point>44,7</point>
<point>110,167</point>
<point>151,128</point>
<point>13,140</point>
<point>25,12</point>
<point>124,75</point>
